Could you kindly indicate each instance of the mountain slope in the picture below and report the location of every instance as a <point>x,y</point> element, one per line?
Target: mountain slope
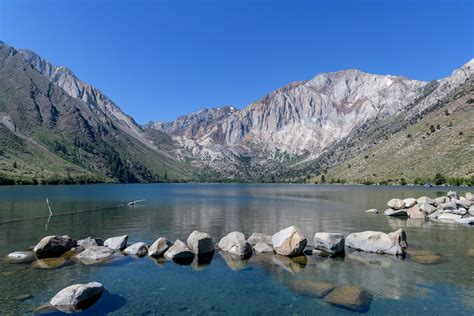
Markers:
<point>41,113</point>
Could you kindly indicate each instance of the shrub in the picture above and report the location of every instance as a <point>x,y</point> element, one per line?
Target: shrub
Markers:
<point>439,179</point>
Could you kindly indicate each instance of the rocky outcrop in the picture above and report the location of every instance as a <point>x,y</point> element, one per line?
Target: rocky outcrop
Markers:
<point>235,243</point>
<point>116,243</point>
<point>159,247</point>
<point>200,243</point>
<point>332,243</point>
<point>53,246</point>
<point>289,241</point>
<point>77,297</point>
<point>139,249</point>
<point>378,242</point>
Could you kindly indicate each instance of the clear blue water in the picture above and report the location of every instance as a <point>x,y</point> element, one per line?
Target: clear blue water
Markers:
<point>265,284</point>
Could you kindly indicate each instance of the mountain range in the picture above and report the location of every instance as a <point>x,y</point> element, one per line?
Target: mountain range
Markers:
<point>345,126</point>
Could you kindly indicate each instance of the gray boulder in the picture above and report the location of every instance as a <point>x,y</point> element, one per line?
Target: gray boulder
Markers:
<point>427,208</point>
<point>410,202</point>
<point>159,247</point>
<point>470,196</point>
<point>256,238</point>
<point>236,244</point>
<point>179,252</point>
<point>451,205</point>
<point>95,254</point>
<point>77,296</point>
<point>464,204</point>
<point>21,257</point>
<point>416,212</point>
<point>137,249</point>
<point>466,220</point>
<point>88,242</point>
<point>117,243</point>
<point>378,242</point>
<point>442,199</point>
<point>459,211</point>
<point>200,243</point>
<point>471,210</point>
<point>372,211</point>
<point>425,199</point>
<point>392,212</point>
<point>449,217</point>
<point>453,195</point>
<point>332,243</point>
<point>263,248</point>
<point>396,204</point>
<point>53,246</point>
<point>289,241</point>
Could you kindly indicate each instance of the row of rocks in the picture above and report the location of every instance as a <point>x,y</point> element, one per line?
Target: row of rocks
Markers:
<point>450,208</point>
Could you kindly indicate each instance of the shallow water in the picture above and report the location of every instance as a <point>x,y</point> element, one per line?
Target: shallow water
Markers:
<point>264,284</point>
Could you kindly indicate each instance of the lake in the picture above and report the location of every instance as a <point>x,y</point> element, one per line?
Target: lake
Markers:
<point>264,284</point>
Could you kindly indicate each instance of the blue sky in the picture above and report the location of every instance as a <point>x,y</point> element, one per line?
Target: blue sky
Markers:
<point>161,59</point>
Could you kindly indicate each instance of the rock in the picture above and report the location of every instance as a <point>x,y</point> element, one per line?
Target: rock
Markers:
<point>427,259</point>
<point>53,246</point>
<point>21,257</point>
<point>95,254</point>
<point>442,199</point>
<point>49,263</point>
<point>159,247</point>
<point>137,249</point>
<point>256,238</point>
<point>179,252</point>
<point>448,205</point>
<point>459,211</point>
<point>331,243</point>
<point>200,243</point>
<point>117,243</point>
<point>396,204</point>
<point>427,208</point>
<point>436,214</point>
<point>378,242</point>
<point>453,195</point>
<point>263,248</point>
<point>448,217</point>
<point>350,297</point>
<point>372,211</point>
<point>471,210</point>
<point>289,264</point>
<point>466,220</point>
<point>312,288</point>
<point>392,212</point>
<point>86,243</point>
<point>415,212</point>
<point>235,243</point>
<point>470,196</point>
<point>425,199</point>
<point>463,204</point>
<point>410,202</point>
<point>289,241</point>
<point>77,296</point>
<point>470,252</point>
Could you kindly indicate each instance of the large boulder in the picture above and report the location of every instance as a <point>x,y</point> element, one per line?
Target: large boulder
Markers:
<point>453,195</point>
<point>263,248</point>
<point>410,202</point>
<point>116,243</point>
<point>89,241</point>
<point>425,199</point>
<point>53,246</point>
<point>449,217</point>
<point>427,208</point>
<point>179,252</point>
<point>21,257</point>
<point>416,212</point>
<point>470,196</point>
<point>332,243</point>
<point>159,247</point>
<point>350,297</point>
<point>464,204</point>
<point>451,205</point>
<point>396,213</point>
<point>137,249</point>
<point>289,241</point>
<point>200,243</point>
<point>256,238</point>
<point>77,296</point>
<point>236,244</point>
<point>396,204</point>
<point>95,254</point>
<point>378,242</point>
<point>442,199</point>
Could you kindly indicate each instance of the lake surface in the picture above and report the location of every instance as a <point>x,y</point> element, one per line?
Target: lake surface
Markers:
<point>264,284</point>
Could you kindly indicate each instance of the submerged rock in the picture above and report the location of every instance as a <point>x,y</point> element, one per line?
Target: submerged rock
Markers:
<point>372,211</point>
<point>396,204</point>
<point>139,249</point>
<point>312,288</point>
<point>95,254</point>
<point>53,246</point>
<point>159,247</point>
<point>371,241</point>
<point>77,296</point>
<point>392,212</point>
<point>179,252</point>
<point>263,248</point>
<point>350,297</point>
<point>289,241</point>
<point>290,264</point>
<point>256,238</point>
<point>200,243</point>
<point>116,243</point>
<point>235,243</point>
<point>49,263</point>
<point>21,257</point>
<point>332,243</point>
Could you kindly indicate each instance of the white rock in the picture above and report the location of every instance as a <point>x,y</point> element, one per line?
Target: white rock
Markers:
<point>263,248</point>
<point>396,204</point>
<point>372,211</point>
<point>416,212</point>
<point>471,210</point>
<point>427,208</point>
<point>392,212</point>
<point>117,243</point>
<point>179,251</point>
<point>89,241</point>
<point>256,238</point>
<point>137,249</point>
<point>289,241</point>
<point>235,243</point>
<point>331,243</point>
<point>425,199</point>
<point>21,257</point>
<point>466,220</point>
<point>442,199</point>
<point>200,243</point>
<point>71,297</point>
<point>159,247</point>
<point>378,242</point>
<point>448,217</point>
<point>95,254</point>
<point>453,195</point>
<point>470,196</point>
<point>410,202</point>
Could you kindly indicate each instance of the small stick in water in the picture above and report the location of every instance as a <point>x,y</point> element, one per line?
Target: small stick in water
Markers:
<point>50,214</point>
